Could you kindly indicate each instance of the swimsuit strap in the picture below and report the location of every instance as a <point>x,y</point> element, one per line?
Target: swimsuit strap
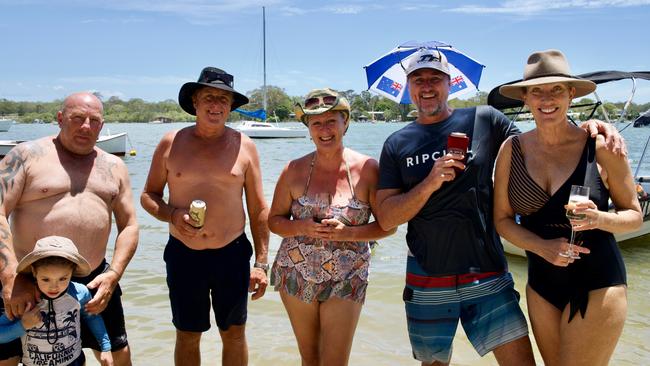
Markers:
<point>311,169</point>
<point>347,169</point>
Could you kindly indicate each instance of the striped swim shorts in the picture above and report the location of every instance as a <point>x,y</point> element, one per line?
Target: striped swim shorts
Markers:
<point>487,305</point>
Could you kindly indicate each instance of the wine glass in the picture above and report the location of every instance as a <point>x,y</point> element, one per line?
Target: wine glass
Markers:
<point>323,202</point>
<point>578,194</point>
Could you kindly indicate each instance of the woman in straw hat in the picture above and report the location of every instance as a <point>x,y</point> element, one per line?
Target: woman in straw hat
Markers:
<point>576,299</point>
<point>321,207</point>
<point>50,331</point>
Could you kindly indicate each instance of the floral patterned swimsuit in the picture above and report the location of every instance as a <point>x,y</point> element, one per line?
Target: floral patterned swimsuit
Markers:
<point>313,269</point>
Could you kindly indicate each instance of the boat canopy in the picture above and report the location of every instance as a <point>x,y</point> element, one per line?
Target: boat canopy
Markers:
<point>642,120</point>
<point>500,102</point>
<point>259,114</point>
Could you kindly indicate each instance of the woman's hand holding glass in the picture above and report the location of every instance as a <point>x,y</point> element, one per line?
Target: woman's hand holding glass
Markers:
<point>575,211</point>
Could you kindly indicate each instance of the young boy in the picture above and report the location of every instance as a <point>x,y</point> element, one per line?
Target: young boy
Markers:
<point>50,331</point>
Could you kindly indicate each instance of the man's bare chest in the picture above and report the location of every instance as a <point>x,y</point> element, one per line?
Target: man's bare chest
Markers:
<point>44,182</point>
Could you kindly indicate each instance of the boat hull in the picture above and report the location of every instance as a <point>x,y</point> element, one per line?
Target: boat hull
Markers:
<point>113,144</point>
<point>264,130</point>
<point>5,124</point>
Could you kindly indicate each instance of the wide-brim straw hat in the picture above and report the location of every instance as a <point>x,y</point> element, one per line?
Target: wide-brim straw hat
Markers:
<point>55,246</point>
<point>214,78</point>
<point>547,67</point>
<point>339,103</point>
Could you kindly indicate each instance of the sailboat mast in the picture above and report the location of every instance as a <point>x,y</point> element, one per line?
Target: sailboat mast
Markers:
<point>264,53</point>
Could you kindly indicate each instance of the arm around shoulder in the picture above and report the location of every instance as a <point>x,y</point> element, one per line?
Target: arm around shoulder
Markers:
<point>620,181</point>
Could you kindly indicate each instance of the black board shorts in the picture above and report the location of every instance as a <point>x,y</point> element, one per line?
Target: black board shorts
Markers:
<point>113,315</point>
<point>199,278</point>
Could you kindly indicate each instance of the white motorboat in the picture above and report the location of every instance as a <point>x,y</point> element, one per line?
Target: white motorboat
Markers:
<point>114,144</point>
<point>265,130</point>
<point>5,124</point>
<point>514,107</point>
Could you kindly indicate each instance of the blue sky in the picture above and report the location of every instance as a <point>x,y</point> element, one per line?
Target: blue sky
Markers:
<point>148,48</point>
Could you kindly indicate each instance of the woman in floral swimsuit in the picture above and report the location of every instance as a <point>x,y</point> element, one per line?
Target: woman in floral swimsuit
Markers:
<point>321,207</point>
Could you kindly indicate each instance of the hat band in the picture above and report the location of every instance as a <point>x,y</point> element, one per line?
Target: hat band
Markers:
<point>224,78</point>
<point>550,75</point>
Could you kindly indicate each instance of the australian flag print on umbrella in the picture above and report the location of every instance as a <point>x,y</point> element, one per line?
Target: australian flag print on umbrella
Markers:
<point>386,76</point>
<point>389,86</point>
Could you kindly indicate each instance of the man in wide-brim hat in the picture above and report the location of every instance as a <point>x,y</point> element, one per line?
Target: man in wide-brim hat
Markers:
<point>210,77</point>
<point>213,163</point>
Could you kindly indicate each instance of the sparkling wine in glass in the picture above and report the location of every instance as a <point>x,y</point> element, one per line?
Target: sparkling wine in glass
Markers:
<point>323,201</point>
<point>578,194</point>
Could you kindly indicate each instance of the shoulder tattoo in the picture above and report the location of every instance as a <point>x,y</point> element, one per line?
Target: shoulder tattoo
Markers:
<point>4,236</point>
<point>15,161</point>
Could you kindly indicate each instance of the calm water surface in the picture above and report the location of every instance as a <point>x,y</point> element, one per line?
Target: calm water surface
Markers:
<point>381,337</point>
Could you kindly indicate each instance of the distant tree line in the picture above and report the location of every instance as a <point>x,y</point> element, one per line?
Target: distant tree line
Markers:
<point>280,107</point>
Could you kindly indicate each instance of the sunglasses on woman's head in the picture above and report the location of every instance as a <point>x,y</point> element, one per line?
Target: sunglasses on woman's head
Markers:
<point>327,100</point>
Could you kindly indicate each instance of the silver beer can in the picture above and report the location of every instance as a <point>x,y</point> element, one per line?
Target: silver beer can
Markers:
<point>197,213</point>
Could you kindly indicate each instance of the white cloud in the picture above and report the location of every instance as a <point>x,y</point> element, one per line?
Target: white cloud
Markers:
<point>418,7</point>
<point>110,93</point>
<point>344,9</point>
<point>527,7</point>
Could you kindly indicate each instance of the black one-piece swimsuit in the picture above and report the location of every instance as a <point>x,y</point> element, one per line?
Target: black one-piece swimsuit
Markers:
<point>544,215</point>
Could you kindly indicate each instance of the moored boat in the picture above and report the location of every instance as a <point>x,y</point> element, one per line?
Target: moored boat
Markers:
<point>265,130</point>
<point>113,144</point>
<point>5,124</point>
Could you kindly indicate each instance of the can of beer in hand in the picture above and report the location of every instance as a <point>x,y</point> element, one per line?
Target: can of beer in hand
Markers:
<point>197,213</point>
<point>457,143</point>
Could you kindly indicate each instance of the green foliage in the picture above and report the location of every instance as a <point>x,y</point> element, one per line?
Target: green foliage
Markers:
<point>280,106</point>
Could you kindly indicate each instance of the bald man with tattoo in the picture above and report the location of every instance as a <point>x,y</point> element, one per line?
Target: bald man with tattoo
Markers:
<point>64,185</point>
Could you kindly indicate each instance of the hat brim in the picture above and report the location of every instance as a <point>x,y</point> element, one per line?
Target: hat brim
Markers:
<point>516,90</point>
<point>439,67</point>
<point>302,114</point>
<point>188,89</point>
<point>82,267</point>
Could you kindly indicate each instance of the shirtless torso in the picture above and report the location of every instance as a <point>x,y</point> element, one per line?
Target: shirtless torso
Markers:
<point>66,195</point>
<point>214,170</point>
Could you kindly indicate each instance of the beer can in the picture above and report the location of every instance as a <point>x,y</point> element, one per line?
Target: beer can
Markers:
<point>457,143</point>
<point>197,213</point>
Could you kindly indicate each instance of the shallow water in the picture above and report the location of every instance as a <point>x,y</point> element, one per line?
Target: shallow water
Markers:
<point>381,337</point>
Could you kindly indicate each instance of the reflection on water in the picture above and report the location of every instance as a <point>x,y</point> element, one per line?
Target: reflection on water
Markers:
<point>381,337</point>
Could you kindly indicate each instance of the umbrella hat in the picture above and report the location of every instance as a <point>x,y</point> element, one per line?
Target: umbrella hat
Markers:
<point>386,76</point>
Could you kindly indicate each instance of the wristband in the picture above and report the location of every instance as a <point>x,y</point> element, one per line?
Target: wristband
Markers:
<point>113,270</point>
<point>263,266</point>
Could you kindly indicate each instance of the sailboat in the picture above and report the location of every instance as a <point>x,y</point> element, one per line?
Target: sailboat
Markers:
<point>265,130</point>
